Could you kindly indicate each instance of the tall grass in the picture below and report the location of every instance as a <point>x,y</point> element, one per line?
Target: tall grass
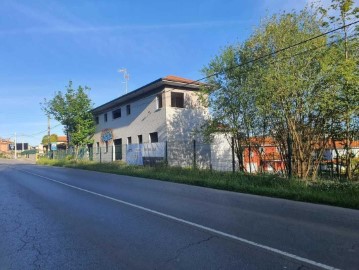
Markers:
<point>344,194</point>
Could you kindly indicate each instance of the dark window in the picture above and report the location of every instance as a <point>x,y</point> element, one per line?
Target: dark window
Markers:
<point>98,147</point>
<point>129,140</point>
<point>159,101</point>
<point>118,149</point>
<point>116,113</point>
<point>106,147</point>
<point>177,100</point>
<point>140,139</point>
<point>105,117</point>
<point>153,137</point>
<point>97,120</point>
<point>128,109</point>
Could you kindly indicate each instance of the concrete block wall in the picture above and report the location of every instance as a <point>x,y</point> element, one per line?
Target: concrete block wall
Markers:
<point>171,124</point>
<point>144,119</point>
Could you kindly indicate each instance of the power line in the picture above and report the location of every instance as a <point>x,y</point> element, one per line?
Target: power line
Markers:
<point>310,50</point>
<point>38,133</point>
<point>274,53</point>
<point>274,61</point>
<point>34,134</point>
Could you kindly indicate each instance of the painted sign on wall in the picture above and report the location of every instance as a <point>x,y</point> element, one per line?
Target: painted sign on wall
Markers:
<point>134,154</point>
<point>154,149</point>
<point>53,146</point>
<point>106,135</point>
<point>145,154</point>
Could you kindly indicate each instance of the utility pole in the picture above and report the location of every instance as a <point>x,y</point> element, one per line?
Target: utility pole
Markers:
<point>48,135</point>
<point>15,147</point>
<point>126,77</point>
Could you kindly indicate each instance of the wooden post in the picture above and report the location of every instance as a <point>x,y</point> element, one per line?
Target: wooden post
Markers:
<point>233,157</point>
<point>166,154</point>
<point>194,154</point>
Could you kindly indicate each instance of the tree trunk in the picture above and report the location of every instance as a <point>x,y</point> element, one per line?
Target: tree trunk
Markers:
<point>76,152</point>
<point>337,157</point>
<point>68,139</point>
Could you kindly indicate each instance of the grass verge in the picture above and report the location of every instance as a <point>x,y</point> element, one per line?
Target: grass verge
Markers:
<point>343,194</point>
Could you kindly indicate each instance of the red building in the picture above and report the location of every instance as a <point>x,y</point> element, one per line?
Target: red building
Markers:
<point>4,145</point>
<point>263,155</point>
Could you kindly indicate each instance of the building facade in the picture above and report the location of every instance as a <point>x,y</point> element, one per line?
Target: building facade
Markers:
<point>163,111</point>
<point>5,145</point>
<point>61,144</point>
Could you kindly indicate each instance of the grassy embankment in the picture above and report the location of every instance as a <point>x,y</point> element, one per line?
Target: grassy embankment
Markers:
<point>344,194</point>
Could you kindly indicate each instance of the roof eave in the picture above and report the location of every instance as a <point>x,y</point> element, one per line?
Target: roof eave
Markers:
<point>142,90</point>
<point>122,99</point>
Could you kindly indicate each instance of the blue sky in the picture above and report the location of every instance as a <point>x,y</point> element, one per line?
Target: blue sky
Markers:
<point>44,44</point>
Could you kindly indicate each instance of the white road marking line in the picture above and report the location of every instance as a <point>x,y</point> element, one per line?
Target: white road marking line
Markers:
<point>208,229</point>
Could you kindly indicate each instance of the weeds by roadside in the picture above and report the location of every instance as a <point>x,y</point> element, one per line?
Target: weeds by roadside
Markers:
<point>344,194</point>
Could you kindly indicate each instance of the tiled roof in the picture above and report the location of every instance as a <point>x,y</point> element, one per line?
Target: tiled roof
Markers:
<point>341,144</point>
<point>263,141</point>
<point>271,142</point>
<point>180,79</point>
<point>62,139</point>
<point>170,80</point>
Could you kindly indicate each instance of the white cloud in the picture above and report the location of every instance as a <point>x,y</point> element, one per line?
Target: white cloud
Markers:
<point>70,28</point>
<point>48,21</point>
<point>21,100</point>
<point>51,16</point>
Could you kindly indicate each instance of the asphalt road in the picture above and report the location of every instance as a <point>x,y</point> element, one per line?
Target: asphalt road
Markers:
<point>58,218</point>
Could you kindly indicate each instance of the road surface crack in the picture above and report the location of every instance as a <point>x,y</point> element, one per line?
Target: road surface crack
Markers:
<point>183,249</point>
<point>37,256</point>
<point>24,240</point>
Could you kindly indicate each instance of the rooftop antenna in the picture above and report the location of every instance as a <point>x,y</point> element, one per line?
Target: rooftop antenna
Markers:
<point>126,76</point>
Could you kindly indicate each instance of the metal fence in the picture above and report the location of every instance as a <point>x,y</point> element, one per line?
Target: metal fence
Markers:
<point>196,154</point>
<point>191,154</point>
<point>218,156</point>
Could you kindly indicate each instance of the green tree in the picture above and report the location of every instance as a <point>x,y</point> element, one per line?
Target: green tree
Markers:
<point>73,110</point>
<point>46,139</point>
<point>341,75</point>
<point>280,95</point>
<point>230,100</point>
<point>288,86</point>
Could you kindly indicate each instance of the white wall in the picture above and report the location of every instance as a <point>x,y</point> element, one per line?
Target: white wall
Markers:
<point>221,153</point>
<point>171,124</point>
<point>182,123</point>
<point>144,119</point>
<point>330,153</point>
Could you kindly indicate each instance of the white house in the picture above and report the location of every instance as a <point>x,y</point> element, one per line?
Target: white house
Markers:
<point>330,156</point>
<point>165,111</point>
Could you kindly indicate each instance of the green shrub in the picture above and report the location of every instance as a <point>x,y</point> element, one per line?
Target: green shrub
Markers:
<point>69,157</point>
<point>345,194</point>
